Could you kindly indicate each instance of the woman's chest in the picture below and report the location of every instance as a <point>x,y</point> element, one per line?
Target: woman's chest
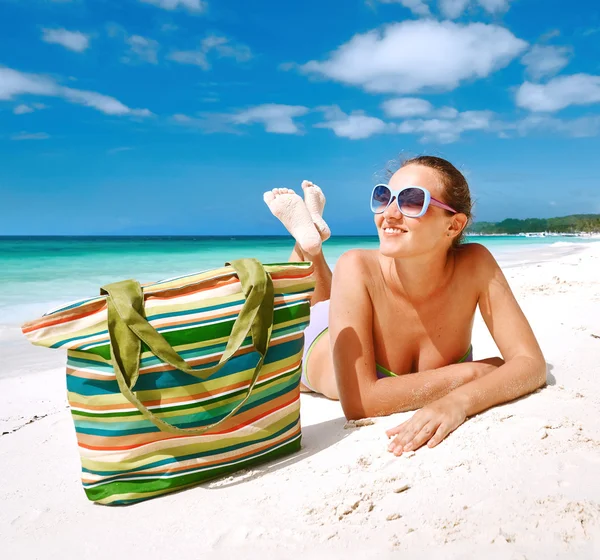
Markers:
<point>433,334</point>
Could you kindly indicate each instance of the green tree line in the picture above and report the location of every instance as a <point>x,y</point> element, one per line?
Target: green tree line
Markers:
<point>589,223</point>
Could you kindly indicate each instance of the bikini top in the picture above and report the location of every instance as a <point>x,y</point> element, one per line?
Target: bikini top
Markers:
<point>382,372</point>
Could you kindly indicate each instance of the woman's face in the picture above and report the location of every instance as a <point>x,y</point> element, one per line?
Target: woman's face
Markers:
<point>400,236</point>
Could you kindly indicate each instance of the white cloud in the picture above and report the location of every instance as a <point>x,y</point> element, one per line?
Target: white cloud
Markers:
<point>355,126</point>
<point>225,49</point>
<point>446,113</point>
<point>494,6</point>
<point>72,40</point>
<point>169,27</point>
<point>23,109</point>
<point>591,31</point>
<point>445,125</point>
<point>208,123</point>
<point>545,60</point>
<point>448,130</point>
<point>417,7</point>
<point>560,92</point>
<point>218,44</point>
<point>441,55</point>
<point>196,58</point>
<point>182,119</point>
<point>454,8</point>
<point>14,83</point>
<point>141,48</point>
<point>275,118</point>
<point>406,107</point>
<point>103,103</point>
<point>195,6</point>
<point>30,136</point>
<point>113,151</point>
<point>581,127</point>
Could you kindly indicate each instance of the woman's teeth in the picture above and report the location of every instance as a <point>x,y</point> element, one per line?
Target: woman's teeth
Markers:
<point>393,231</point>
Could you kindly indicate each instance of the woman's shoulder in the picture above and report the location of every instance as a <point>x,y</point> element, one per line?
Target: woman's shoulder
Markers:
<point>475,258</point>
<point>357,260</point>
<point>360,265</point>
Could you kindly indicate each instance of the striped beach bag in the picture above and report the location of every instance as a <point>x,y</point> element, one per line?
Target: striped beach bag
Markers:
<point>181,381</point>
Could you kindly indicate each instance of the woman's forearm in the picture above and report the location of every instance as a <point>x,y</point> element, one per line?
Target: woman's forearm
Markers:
<point>518,377</point>
<point>415,390</point>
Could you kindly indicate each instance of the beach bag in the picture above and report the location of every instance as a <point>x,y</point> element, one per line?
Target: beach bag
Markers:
<point>185,380</point>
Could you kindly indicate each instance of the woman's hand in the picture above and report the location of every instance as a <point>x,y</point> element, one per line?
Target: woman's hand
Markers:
<point>431,424</point>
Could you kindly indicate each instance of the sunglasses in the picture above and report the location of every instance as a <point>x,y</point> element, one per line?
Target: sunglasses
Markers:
<point>413,202</point>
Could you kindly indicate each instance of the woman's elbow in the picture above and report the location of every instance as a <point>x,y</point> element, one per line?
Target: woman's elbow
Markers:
<point>353,411</point>
<point>357,407</point>
<point>368,406</point>
<point>541,372</point>
<point>536,373</point>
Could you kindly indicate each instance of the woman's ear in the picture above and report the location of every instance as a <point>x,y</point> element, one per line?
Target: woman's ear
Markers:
<point>458,223</point>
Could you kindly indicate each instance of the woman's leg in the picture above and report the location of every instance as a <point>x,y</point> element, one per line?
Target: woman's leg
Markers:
<point>323,274</point>
<point>318,366</point>
<point>292,211</point>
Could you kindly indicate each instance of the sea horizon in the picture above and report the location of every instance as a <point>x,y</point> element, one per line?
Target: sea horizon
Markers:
<point>40,272</point>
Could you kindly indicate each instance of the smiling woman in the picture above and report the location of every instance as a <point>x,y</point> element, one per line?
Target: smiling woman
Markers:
<point>390,330</point>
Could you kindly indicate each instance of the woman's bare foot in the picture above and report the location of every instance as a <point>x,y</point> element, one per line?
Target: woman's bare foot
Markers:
<point>291,210</point>
<point>315,202</point>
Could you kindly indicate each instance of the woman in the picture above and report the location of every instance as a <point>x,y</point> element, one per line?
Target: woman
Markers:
<point>408,308</point>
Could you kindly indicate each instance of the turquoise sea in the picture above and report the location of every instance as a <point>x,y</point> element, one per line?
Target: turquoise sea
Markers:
<point>39,273</point>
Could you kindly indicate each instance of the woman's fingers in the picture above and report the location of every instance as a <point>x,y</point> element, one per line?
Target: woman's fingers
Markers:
<point>395,431</point>
<point>422,436</point>
<point>442,431</point>
<point>406,432</point>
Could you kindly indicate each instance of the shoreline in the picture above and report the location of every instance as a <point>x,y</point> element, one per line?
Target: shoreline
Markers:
<point>516,480</point>
<point>58,289</point>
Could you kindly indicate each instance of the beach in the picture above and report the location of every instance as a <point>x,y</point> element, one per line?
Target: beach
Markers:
<point>517,481</point>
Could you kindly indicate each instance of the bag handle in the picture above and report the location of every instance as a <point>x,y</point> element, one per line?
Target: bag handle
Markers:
<point>128,328</point>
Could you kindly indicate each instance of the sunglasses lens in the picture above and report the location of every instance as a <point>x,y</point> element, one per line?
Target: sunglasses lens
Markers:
<point>381,198</point>
<point>411,201</point>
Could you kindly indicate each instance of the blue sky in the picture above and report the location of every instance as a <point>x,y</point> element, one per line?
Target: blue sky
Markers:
<point>174,116</point>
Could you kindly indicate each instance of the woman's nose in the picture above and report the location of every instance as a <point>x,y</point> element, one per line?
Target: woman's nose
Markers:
<point>392,210</point>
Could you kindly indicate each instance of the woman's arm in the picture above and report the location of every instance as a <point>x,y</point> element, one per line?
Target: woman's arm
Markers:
<point>524,369</point>
<point>361,393</point>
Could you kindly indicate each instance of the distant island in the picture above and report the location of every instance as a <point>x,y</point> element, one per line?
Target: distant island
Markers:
<point>577,223</point>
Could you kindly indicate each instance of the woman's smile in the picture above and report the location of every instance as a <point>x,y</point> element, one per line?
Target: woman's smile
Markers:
<point>393,231</point>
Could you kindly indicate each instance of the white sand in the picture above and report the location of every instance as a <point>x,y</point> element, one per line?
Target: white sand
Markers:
<point>518,481</point>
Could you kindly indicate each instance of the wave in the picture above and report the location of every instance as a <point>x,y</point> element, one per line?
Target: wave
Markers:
<point>564,244</point>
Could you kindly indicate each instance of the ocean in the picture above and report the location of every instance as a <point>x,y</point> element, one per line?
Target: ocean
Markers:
<point>40,273</point>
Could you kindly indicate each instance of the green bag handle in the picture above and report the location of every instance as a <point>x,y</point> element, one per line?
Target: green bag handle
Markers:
<point>128,328</point>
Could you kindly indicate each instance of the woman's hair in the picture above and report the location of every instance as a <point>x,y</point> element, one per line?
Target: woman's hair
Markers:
<point>457,194</point>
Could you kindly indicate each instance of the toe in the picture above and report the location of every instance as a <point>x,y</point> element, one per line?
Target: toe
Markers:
<point>269,196</point>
